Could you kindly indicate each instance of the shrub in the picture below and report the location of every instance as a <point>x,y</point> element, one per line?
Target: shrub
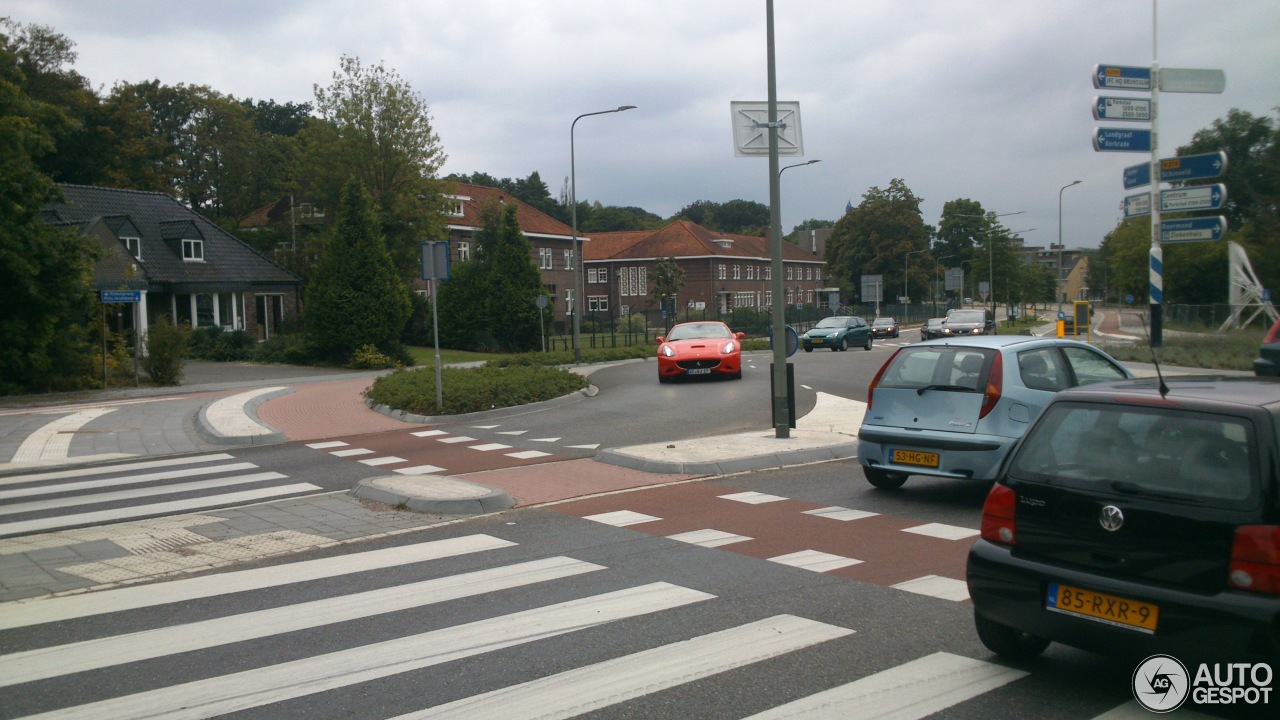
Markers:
<point>167,344</point>
<point>292,349</point>
<point>369,357</point>
<point>472,389</point>
<point>213,343</point>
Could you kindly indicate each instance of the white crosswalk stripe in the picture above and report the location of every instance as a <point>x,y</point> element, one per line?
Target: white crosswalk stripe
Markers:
<point>60,499</point>
<point>189,619</point>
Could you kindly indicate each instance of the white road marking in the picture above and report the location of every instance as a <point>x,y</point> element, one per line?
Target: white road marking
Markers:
<point>326,445</point>
<point>385,460</point>
<point>457,439</point>
<point>621,518</point>
<point>838,513</point>
<point>106,469</point>
<point>262,686</point>
<point>352,452</point>
<point>52,441</point>
<point>708,538</point>
<point>582,690</point>
<point>428,433</point>
<point>169,489</point>
<point>49,662</point>
<point>752,498</point>
<point>489,447</point>
<point>935,586</point>
<point>814,560</point>
<point>126,480</point>
<point>46,610</point>
<point>909,691</point>
<point>420,470</point>
<point>945,532</point>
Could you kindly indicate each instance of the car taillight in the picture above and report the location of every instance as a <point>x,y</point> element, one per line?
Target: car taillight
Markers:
<point>1273,336</point>
<point>1255,559</point>
<point>995,384</point>
<point>998,525</point>
<point>879,374</point>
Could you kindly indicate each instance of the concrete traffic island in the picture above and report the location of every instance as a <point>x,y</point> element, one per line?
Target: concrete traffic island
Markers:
<point>433,494</point>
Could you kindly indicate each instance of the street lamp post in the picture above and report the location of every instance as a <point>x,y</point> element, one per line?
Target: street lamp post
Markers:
<point>1062,281</point>
<point>991,253</point>
<point>577,244</point>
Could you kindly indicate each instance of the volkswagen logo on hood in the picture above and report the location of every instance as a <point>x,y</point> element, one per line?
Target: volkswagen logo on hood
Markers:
<point>1111,518</point>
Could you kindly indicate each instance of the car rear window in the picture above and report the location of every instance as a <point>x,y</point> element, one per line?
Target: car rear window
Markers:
<point>919,367</point>
<point>1180,455</point>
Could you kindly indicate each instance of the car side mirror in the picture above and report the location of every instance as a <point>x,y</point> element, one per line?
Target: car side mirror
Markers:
<point>660,339</point>
<point>740,335</point>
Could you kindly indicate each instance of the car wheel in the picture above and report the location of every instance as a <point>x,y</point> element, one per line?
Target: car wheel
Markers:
<point>808,349</point>
<point>844,344</point>
<point>664,379</point>
<point>884,479</point>
<point>736,376</point>
<point>868,345</point>
<point>1008,642</point>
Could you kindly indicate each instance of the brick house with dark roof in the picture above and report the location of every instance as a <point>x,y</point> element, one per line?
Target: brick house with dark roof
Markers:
<point>722,272</point>
<point>551,240</point>
<point>184,266</point>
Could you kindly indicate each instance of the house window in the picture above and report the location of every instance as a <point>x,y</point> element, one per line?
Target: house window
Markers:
<point>134,246</point>
<point>464,251</point>
<point>598,303</point>
<point>644,290</point>
<point>720,271</point>
<point>808,273</point>
<point>193,250</point>
<point>768,272</point>
<point>768,298</point>
<point>808,296</point>
<point>545,261</point>
<point>751,272</point>
<point>744,299</point>
<point>790,295</point>
<point>790,276</point>
<point>453,206</point>
<point>568,259</point>
<point>737,272</point>
<point>568,301</point>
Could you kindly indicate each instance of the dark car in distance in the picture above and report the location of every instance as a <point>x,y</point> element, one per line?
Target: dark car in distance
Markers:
<point>884,327</point>
<point>969,322</point>
<point>838,332</point>
<point>1138,518</point>
<point>932,328</point>
<point>1268,362</point>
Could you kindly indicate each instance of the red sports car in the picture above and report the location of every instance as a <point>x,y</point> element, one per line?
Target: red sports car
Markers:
<point>705,347</point>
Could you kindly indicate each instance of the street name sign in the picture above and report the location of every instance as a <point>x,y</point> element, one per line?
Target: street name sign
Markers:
<point>1192,167</point>
<point>1137,175</point>
<point>1194,230</point>
<point>1117,108</point>
<point>1135,205</point>
<point>1204,197</point>
<point>121,296</point>
<point>1121,140</point>
<point>1191,80</point>
<point>1121,77</point>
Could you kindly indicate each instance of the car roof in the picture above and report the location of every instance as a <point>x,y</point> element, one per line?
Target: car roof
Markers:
<point>1213,389</point>
<point>1003,341</point>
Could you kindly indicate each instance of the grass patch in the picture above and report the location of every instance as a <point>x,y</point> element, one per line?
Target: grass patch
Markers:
<point>468,390</point>
<point>1229,350</point>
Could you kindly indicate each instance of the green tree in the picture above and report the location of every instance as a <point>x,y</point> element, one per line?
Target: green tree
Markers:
<point>874,239</point>
<point>355,297</point>
<point>668,280</point>
<point>741,217</point>
<point>377,128</point>
<point>800,232</point>
<point>45,271</point>
<point>514,284</point>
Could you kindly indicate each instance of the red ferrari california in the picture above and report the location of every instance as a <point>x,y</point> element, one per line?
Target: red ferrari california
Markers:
<point>705,347</point>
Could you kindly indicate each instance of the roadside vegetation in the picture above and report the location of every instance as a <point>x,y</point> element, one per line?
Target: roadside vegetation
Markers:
<point>467,390</point>
<point>1229,350</point>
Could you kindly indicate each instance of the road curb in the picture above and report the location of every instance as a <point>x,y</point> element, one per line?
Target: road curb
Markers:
<point>575,396</point>
<point>433,494</point>
<point>727,466</point>
<point>255,432</point>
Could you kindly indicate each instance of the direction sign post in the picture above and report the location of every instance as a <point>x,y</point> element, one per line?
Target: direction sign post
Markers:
<point>1137,205</point>
<point>1115,108</point>
<point>1193,167</point>
<point>1121,140</point>
<point>1120,77</point>
<point>1193,230</point>
<point>1203,197</point>
<point>1137,175</point>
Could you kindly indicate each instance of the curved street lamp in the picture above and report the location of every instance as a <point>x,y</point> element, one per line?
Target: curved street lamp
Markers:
<point>1062,281</point>
<point>577,245</point>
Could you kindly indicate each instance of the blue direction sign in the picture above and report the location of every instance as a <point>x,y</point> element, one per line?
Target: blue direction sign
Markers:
<point>1135,205</point>
<point>1121,140</point>
<point>121,296</point>
<point>1116,108</point>
<point>1137,175</point>
<point>1193,167</point>
<point>1204,197</point>
<point>1194,230</point>
<point>1119,77</point>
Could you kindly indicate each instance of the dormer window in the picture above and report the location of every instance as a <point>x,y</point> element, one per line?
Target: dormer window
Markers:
<point>453,205</point>
<point>192,250</point>
<point>133,245</point>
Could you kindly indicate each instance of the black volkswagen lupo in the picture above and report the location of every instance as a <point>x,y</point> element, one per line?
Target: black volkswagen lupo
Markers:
<point>1138,518</point>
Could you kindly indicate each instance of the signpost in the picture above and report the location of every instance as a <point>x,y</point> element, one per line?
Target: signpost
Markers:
<point>121,296</point>
<point>1192,167</point>
<point>435,266</point>
<point>1190,80</point>
<point>1204,197</point>
<point>1120,77</point>
<point>1137,205</point>
<point>1193,230</point>
<point>1121,140</point>
<point>1137,175</point>
<point>1115,108</point>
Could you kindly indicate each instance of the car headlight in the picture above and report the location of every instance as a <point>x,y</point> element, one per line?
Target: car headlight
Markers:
<point>728,348</point>
<point>667,351</point>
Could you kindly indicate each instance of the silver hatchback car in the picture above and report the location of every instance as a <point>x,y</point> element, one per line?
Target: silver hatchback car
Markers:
<point>954,408</point>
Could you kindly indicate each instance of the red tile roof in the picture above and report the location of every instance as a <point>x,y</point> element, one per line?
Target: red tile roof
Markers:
<point>685,239</point>
<point>532,221</point>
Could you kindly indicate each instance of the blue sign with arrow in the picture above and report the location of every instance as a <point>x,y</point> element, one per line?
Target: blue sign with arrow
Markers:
<point>1193,167</point>
<point>1137,175</point>
<point>1194,230</point>
<point>1203,197</point>
<point>1121,140</point>
<point>1120,77</point>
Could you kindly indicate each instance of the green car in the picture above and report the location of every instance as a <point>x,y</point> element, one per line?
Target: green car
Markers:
<point>838,333</point>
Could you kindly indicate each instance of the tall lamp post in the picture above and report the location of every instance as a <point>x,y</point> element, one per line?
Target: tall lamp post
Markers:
<point>991,254</point>
<point>1062,281</point>
<point>578,305</point>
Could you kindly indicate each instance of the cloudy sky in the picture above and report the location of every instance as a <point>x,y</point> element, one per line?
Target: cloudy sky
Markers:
<point>981,99</point>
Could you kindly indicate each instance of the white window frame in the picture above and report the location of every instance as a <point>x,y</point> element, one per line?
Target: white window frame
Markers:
<point>464,251</point>
<point>134,246</point>
<point>568,259</point>
<point>598,303</point>
<point>644,286</point>
<point>192,250</point>
<point>454,207</point>
<point>568,301</point>
<point>790,276</point>
<point>768,272</point>
<point>546,258</point>
<point>720,271</point>
<point>737,272</point>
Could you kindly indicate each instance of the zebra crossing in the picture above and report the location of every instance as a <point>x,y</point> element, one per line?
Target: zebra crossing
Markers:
<point>79,496</point>
<point>173,649</point>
